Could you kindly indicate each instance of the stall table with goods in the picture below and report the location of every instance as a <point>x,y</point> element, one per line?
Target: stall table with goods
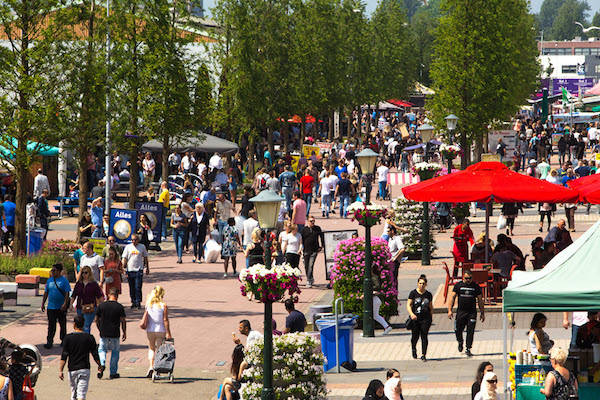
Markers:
<point>569,282</point>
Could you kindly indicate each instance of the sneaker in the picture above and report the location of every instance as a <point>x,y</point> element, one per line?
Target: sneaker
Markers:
<point>224,275</point>
<point>193,260</point>
<point>114,376</point>
<point>149,374</point>
<point>387,330</point>
<point>423,358</point>
<point>309,285</point>
<point>101,372</point>
<point>468,353</point>
<point>460,347</point>
<point>48,346</point>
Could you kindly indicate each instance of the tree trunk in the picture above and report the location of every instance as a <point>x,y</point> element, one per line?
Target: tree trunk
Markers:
<point>302,131</point>
<point>330,130</point>
<point>22,175</point>
<point>465,151</point>
<point>251,150</point>
<point>165,158</point>
<point>83,187</point>
<point>270,143</point>
<point>349,120</point>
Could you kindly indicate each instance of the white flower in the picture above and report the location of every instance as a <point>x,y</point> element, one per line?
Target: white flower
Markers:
<point>425,166</point>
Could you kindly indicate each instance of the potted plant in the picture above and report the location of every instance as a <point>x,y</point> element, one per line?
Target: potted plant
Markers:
<point>366,215</point>
<point>426,170</point>
<point>264,284</point>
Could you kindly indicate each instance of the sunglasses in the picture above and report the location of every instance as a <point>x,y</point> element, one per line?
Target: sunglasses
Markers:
<point>84,273</point>
<point>493,381</point>
<point>467,278</point>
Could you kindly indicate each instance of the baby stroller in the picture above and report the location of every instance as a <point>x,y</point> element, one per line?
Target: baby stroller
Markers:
<point>164,361</point>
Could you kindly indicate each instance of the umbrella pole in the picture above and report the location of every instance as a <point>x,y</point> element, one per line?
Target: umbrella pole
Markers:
<point>487,229</point>
<point>504,356</point>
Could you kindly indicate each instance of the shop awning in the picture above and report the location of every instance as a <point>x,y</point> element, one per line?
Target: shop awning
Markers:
<point>202,144</point>
<point>32,147</point>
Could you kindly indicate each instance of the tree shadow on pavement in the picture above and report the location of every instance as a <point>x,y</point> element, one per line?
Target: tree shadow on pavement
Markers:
<point>186,276</point>
<point>179,312</point>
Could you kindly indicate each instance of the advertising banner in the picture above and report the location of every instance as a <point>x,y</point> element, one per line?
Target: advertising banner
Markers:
<point>331,239</point>
<point>509,138</point>
<point>122,224</point>
<point>154,213</point>
<point>98,244</point>
<point>308,149</point>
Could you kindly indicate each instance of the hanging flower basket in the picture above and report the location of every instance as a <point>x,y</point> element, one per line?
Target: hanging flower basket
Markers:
<point>450,151</point>
<point>263,284</point>
<point>367,215</point>
<point>426,170</point>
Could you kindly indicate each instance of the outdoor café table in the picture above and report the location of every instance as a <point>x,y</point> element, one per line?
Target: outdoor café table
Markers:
<point>587,391</point>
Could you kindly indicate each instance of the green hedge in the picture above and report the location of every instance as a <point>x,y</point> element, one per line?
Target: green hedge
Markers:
<point>21,265</point>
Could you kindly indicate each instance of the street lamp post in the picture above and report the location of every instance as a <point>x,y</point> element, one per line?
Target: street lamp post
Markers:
<point>426,132</point>
<point>367,160</point>
<point>451,121</point>
<point>107,160</point>
<point>267,205</point>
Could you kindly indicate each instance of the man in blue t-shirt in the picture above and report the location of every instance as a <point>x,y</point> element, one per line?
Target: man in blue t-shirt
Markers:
<point>288,184</point>
<point>57,293</point>
<point>9,216</point>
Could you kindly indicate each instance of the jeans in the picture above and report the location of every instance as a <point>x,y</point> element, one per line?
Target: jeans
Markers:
<point>178,235</point>
<point>326,204</point>
<point>468,320</point>
<point>574,330</point>
<point>221,225</point>
<point>307,197</point>
<point>96,233</point>
<point>164,225</point>
<point>53,317</point>
<point>382,191</point>
<point>79,381</point>
<point>309,263</point>
<point>198,248</point>
<point>287,193</point>
<point>88,318</point>
<point>114,346</point>
<point>523,161</point>
<point>344,203</point>
<point>135,279</point>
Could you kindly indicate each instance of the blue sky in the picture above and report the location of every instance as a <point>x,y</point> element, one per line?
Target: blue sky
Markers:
<point>371,4</point>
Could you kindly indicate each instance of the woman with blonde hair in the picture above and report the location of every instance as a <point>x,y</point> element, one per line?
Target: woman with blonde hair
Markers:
<point>88,294</point>
<point>254,251</point>
<point>560,383</point>
<point>156,323</point>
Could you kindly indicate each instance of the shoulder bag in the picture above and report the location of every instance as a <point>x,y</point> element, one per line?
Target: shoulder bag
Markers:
<point>65,305</point>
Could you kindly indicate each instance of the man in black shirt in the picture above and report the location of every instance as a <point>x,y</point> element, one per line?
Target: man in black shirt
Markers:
<point>311,234</point>
<point>77,347</point>
<point>295,321</point>
<point>109,316</point>
<point>468,294</point>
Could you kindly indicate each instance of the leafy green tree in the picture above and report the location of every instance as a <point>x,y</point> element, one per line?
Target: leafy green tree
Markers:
<point>485,65</point>
<point>423,25</point>
<point>547,14</point>
<point>166,93</point>
<point>595,22</point>
<point>571,11</point>
<point>392,64</point>
<point>203,99</point>
<point>29,76</point>
<point>82,112</point>
<point>411,7</point>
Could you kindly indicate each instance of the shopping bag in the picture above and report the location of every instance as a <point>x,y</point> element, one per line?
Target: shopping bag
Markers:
<point>28,393</point>
<point>501,222</point>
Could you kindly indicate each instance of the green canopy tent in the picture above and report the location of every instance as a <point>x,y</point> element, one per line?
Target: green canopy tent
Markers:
<point>32,147</point>
<point>569,282</point>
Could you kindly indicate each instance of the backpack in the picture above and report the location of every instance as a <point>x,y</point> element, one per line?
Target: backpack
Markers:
<point>262,184</point>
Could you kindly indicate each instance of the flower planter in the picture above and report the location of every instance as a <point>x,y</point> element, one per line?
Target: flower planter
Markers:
<point>263,284</point>
<point>427,174</point>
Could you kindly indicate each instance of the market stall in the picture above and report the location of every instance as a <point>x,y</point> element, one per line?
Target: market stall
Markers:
<point>569,282</point>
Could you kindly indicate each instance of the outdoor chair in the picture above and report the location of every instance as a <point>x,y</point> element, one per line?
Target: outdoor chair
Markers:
<point>450,281</point>
<point>483,279</point>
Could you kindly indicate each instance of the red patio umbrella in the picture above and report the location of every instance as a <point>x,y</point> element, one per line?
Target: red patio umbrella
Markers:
<point>488,182</point>
<point>588,188</point>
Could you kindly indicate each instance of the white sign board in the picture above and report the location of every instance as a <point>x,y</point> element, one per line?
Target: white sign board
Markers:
<point>336,124</point>
<point>509,137</point>
<point>331,240</point>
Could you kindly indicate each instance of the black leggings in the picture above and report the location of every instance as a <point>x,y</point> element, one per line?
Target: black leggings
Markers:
<point>510,223</point>
<point>545,214</point>
<point>420,328</point>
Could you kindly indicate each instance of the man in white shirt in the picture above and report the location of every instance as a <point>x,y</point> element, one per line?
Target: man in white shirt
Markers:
<point>593,135</point>
<point>92,260</point>
<point>396,249</point>
<point>247,228</point>
<point>186,163</point>
<point>245,329</point>
<point>174,161</point>
<point>215,162</point>
<point>135,258</point>
<point>382,177</point>
<point>201,167</point>
<point>325,195</point>
<point>39,184</point>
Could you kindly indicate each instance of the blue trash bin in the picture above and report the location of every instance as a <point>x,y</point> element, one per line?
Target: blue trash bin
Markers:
<point>35,240</point>
<point>346,326</point>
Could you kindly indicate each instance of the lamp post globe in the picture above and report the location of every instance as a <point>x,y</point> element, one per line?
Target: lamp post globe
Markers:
<point>451,121</point>
<point>367,159</point>
<point>267,205</point>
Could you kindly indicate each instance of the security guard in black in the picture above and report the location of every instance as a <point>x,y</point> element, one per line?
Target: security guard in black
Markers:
<point>469,294</point>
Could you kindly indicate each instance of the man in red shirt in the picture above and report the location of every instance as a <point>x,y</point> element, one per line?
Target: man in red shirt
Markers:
<point>306,184</point>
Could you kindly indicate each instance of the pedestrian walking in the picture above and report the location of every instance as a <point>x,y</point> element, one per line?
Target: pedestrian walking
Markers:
<point>149,168</point>
<point>288,183</point>
<point>510,212</point>
<point>112,271</point>
<point>135,257</point>
<point>90,259</point>
<point>57,294</point>
<point>179,225</point>
<point>374,390</point>
<point>483,368</point>
<point>312,244</point>
<point>397,249</point>
<point>156,323</point>
<point>145,231</point>
<point>468,293</point>
<point>77,348</point>
<point>87,295</point>
<point>165,199</point>
<point>224,210</point>
<point>489,385</point>
<point>254,251</point>
<point>382,178</point>
<point>299,210</point>
<point>306,184</point>
<point>420,310</point>
<point>198,226</point>
<point>229,249</point>
<point>110,315</point>
<point>346,191</point>
<point>291,246</point>
<point>44,211</point>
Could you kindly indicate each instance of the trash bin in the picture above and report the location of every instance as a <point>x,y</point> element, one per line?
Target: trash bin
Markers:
<point>326,328</point>
<point>35,240</point>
